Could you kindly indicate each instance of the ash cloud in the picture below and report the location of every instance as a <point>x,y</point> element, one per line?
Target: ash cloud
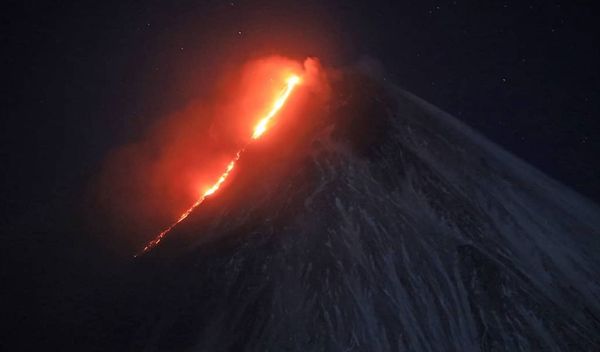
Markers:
<point>144,185</point>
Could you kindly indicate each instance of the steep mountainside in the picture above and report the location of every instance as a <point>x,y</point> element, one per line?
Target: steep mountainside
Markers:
<point>383,224</point>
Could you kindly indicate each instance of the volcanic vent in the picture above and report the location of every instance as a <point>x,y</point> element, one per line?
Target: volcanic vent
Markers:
<point>378,223</point>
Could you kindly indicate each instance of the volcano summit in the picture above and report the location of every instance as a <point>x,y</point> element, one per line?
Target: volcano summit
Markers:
<point>381,224</point>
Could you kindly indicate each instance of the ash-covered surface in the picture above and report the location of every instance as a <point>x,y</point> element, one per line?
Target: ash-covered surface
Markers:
<point>385,226</point>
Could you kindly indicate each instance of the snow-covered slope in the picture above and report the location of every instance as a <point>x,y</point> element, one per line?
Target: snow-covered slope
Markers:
<point>388,226</point>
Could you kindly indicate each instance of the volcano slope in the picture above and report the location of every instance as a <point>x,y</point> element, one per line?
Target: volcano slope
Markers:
<point>381,224</point>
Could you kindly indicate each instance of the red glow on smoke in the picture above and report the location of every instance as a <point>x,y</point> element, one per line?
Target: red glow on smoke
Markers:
<point>259,129</point>
<point>189,155</point>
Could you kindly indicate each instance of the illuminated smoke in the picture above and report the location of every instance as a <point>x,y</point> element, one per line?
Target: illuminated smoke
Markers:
<point>261,126</point>
<point>259,130</point>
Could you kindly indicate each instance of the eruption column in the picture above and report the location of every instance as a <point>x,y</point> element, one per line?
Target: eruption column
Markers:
<point>259,130</point>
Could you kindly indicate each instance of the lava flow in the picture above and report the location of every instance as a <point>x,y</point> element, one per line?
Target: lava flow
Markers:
<point>259,130</point>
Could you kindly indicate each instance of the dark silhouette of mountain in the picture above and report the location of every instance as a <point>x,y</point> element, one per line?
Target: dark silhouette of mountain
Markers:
<point>376,223</point>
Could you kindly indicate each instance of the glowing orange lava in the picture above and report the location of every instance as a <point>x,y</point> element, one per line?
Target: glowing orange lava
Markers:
<point>259,130</point>
<point>261,126</point>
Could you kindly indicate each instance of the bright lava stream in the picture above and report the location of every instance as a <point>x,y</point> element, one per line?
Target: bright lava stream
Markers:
<point>259,130</point>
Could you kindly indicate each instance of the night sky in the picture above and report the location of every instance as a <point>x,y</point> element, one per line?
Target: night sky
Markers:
<point>83,78</point>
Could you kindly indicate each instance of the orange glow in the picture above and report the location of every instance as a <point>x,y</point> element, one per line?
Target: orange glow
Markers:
<point>259,130</point>
<point>200,200</point>
<point>261,127</point>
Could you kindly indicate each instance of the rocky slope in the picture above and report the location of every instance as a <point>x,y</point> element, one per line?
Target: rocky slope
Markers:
<point>386,225</point>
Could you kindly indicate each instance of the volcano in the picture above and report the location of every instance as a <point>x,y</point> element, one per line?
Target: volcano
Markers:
<point>374,222</point>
